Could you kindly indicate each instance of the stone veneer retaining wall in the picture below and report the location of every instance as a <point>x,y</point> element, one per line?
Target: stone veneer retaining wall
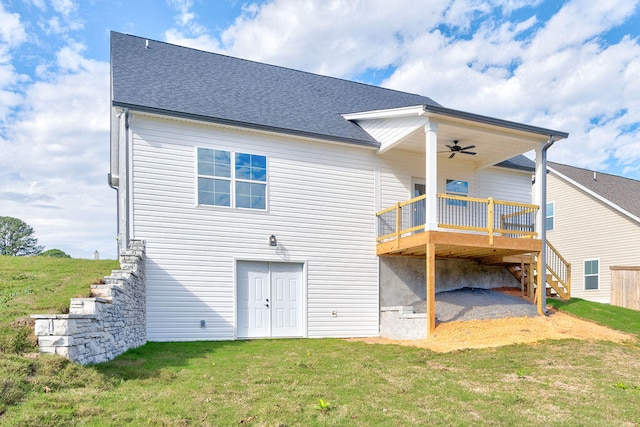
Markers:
<point>100,328</point>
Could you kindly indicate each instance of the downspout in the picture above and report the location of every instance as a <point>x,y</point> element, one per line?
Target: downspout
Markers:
<point>110,179</point>
<point>127,186</point>
<point>113,177</point>
<point>542,304</point>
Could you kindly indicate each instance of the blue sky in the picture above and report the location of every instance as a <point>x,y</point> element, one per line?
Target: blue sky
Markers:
<point>567,65</point>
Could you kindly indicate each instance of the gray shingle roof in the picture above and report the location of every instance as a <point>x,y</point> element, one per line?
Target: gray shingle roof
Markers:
<point>621,191</point>
<point>520,163</point>
<point>192,83</point>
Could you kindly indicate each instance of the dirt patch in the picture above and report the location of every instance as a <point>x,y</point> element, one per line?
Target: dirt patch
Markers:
<point>451,336</point>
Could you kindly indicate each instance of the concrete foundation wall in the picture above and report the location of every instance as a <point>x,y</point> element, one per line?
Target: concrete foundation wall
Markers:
<point>402,279</point>
<point>401,323</point>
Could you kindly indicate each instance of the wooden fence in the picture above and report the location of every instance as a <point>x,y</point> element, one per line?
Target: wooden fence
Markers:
<point>625,287</point>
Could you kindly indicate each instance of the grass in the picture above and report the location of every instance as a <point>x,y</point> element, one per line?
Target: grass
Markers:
<point>620,318</point>
<point>305,382</point>
<point>283,382</point>
<point>34,285</point>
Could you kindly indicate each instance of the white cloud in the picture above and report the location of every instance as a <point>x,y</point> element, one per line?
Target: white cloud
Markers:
<point>12,32</point>
<point>202,42</point>
<point>12,35</point>
<point>189,32</point>
<point>560,74</point>
<point>64,7</point>
<point>58,151</point>
<point>338,38</point>
<point>66,20</point>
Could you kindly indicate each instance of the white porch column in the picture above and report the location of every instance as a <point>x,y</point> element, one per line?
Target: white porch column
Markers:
<point>431,174</point>
<point>541,200</point>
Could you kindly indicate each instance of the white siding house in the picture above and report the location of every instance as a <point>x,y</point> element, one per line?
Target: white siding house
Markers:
<point>310,184</point>
<point>595,225</point>
<point>256,188</point>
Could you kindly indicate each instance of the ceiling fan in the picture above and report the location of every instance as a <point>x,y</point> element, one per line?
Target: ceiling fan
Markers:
<point>455,149</point>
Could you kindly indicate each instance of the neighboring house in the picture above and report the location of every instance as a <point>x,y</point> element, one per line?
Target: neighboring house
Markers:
<point>256,188</point>
<point>593,219</point>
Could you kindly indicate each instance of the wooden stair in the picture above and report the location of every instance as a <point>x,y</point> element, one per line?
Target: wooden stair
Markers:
<point>522,267</point>
<point>554,287</point>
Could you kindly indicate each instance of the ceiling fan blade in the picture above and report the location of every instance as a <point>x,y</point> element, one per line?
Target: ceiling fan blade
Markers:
<point>449,147</point>
<point>468,152</point>
<point>452,154</point>
<point>469,147</point>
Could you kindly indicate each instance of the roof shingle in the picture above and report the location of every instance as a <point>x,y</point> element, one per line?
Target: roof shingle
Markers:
<point>621,191</point>
<point>193,83</point>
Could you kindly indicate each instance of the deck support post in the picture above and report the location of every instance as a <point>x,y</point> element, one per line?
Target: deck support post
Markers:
<point>430,275</point>
<point>532,278</point>
<point>541,285</point>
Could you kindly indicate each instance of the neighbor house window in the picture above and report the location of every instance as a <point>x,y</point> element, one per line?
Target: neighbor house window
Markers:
<point>549,219</point>
<point>455,187</point>
<point>230,179</point>
<point>591,274</point>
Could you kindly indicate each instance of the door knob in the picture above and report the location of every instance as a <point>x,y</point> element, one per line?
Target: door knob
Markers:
<point>267,305</point>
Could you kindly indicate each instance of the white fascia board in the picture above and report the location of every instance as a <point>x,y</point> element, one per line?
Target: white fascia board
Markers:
<point>250,130</point>
<point>386,114</point>
<point>595,195</point>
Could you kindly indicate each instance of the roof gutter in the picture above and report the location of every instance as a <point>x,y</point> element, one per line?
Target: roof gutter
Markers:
<point>259,127</point>
<point>119,132</point>
<point>492,121</point>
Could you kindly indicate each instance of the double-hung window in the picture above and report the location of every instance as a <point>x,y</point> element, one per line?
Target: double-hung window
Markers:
<point>550,216</point>
<point>591,274</point>
<point>237,180</point>
<point>456,187</point>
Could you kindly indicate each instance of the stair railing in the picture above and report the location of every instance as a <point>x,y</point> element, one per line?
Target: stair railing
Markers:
<point>558,267</point>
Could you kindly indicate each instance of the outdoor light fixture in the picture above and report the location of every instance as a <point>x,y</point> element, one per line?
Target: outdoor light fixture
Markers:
<point>273,241</point>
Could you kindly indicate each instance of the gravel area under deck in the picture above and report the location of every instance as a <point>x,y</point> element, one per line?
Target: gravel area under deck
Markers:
<point>477,304</point>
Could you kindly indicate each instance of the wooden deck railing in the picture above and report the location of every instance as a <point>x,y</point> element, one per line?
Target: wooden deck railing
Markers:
<point>490,216</point>
<point>560,271</point>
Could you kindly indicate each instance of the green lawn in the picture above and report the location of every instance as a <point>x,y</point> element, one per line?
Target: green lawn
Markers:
<point>35,285</point>
<point>312,381</point>
<point>622,319</point>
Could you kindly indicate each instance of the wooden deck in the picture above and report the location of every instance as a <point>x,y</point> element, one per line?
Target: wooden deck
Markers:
<point>486,230</point>
<point>459,245</point>
<point>468,228</point>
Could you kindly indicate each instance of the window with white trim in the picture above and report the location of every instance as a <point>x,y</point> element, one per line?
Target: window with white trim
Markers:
<point>591,274</point>
<point>456,187</point>
<point>237,180</point>
<point>550,216</point>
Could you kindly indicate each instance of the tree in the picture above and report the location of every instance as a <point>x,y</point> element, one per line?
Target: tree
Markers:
<point>55,253</point>
<point>16,238</point>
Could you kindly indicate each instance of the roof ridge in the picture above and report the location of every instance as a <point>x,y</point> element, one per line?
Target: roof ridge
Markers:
<point>277,66</point>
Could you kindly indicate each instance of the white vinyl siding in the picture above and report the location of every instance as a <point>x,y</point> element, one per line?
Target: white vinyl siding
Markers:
<point>584,229</point>
<point>388,131</point>
<point>504,184</point>
<point>398,170</point>
<point>321,209</point>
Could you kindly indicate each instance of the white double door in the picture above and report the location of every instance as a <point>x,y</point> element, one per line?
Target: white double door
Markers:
<point>269,298</point>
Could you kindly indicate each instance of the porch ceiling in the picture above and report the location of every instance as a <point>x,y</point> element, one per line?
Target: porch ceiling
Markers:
<point>491,145</point>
